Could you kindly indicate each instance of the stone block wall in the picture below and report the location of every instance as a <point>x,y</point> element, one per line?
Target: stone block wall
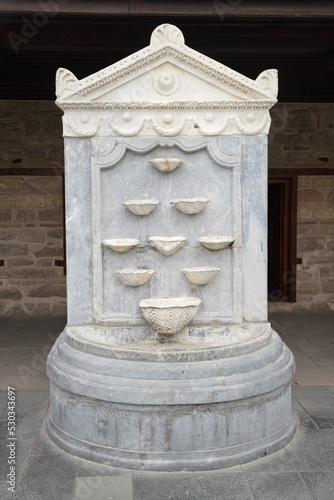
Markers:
<point>315,242</point>
<point>32,277</point>
<point>302,136</point>
<point>32,280</point>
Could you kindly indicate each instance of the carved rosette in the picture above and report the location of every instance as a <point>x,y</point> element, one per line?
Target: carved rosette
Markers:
<point>182,92</point>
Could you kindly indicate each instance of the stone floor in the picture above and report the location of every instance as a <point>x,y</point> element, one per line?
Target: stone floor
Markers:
<point>303,470</point>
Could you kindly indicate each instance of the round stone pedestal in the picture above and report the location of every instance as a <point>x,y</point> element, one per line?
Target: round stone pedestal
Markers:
<point>185,404</point>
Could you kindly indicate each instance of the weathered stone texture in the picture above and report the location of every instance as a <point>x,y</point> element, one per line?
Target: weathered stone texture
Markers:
<point>11,183</point>
<point>30,208</point>
<point>324,213</point>
<point>310,244</point>
<point>19,262</point>
<point>51,215</point>
<point>30,200</point>
<point>309,195</point>
<point>55,233</point>
<point>305,213</point>
<point>301,135</point>
<point>328,286</point>
<point>49,252</point>
<point>24,273</point>
<point>46,184</point>
<point>48,291</point>
<point>326,271</point>
<point>25,215</point>
<point>11,249</point>
<point>10,294</point>
<point>32,235</point>
<point>7,234</point>
<point>5,214</point>
<point>315,241</point>
<point>330,197</point>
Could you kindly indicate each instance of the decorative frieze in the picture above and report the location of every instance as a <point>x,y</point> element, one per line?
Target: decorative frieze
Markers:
<point>164,74</point>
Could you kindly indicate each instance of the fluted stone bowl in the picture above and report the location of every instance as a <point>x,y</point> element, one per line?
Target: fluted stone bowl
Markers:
<point>169,315</point>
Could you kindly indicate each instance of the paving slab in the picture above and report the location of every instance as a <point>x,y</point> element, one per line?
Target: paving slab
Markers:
<point>324,343</point>
<point>30,402</point>
<point>277,462</point>
<point>28,338</point>
<point>48,477</point>
<point>23,369</point>
<point>321,484</point>
<point>4,493</point>
<point>103,488</point>
<point>304,345</point>
<point>213,485</point>
<point>314,375</point>
<point>313,451</point>
<point>279,486</point>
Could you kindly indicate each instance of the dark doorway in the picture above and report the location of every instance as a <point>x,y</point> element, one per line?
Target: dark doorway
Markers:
<point>281,241</point>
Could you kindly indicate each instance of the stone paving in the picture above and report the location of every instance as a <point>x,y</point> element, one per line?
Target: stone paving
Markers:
<point>303,470</point>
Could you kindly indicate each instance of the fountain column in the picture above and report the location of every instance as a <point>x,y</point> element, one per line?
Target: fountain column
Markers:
<point>168,361</point>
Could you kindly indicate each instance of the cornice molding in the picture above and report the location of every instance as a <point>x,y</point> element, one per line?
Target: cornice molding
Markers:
<point>165,73</point>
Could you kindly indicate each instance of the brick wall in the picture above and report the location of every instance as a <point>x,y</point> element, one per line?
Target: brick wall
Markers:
<point>32,280</point>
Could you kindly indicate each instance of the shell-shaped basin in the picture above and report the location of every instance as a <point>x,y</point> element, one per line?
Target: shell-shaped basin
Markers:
<point>216,242</point>
<point>201,275</point>
<point>121,244</point>
<point>190,206</point>
<point>135,277</point>
<point>169,315</point>
<point>141,207</point>
<point>166,164</point>
<point>167,245</point>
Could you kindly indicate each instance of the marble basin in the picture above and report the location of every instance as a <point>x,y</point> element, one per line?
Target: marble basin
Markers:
<point>169,315</point>
<point>135,277</point>
<point>121,245</point>
<point>216,242</point>
<point>190,206</point>
<point>141,207</point>
<point>201,275</point>
<point>167,245</point>
<point>166,164</point>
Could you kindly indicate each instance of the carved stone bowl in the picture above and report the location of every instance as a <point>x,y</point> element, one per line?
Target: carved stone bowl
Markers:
<point>167,245</point>
<point>166,164</point>
<point>121,245</point>
<point>135,277</point>
<point>201,275</point>
<point>169,315</point>
<point>141,207</point>
<point>216,242</point>
<point>191,206</point>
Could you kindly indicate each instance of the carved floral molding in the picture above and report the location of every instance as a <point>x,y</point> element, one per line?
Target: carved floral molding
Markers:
<point>148,94</point>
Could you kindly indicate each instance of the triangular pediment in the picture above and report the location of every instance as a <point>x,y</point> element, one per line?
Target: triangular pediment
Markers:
<point>166,70</point>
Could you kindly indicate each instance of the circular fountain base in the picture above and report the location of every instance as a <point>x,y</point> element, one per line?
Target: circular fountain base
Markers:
<point>174,406</point>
